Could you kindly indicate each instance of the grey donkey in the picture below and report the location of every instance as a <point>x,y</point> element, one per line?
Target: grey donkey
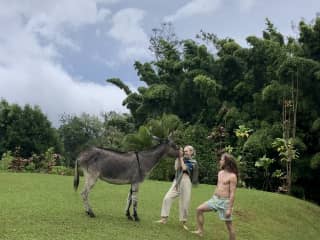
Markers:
<point>120,168</point>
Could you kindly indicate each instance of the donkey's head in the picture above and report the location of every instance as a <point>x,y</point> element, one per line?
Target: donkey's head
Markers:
<point>173,149</point>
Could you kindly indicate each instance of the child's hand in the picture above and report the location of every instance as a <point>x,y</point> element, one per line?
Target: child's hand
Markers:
<point>228,213</point>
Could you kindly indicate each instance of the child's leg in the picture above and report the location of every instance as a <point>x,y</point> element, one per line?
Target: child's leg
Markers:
<point>232,235</point>
<point>200,218</point>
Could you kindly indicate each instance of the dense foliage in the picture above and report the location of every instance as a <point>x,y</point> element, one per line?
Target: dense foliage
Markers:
<point>27,128</point>
<point>270,87</point>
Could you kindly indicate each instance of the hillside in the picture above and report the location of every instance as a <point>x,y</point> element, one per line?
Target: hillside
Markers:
<point>38,206</point>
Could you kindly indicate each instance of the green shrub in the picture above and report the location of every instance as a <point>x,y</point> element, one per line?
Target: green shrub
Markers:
<point>30,167</point>
<point>164,170</point>
<point>297,191</point>
<point>6,160</point>
<point>315,161</point>
<point>316,125</point>
<point>259,143</point>
<point>61,170</point>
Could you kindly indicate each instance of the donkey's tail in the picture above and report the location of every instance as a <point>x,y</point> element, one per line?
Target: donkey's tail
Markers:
<point>76,176</point>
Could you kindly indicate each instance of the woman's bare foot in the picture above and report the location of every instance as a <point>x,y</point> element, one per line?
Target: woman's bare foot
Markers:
<point>162,221</point>
<point>185,226</point>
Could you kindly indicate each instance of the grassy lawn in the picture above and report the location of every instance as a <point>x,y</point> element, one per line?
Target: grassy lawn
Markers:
<point>39,206</point>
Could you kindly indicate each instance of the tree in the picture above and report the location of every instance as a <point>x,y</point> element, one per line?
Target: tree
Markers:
<point>27,128</point>
<point>161,38</point>
<point>120,84</point>
<point>78,133</point>
<point>309,39</point>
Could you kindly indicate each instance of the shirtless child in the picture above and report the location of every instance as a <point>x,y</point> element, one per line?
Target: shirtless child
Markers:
<point>223,197</point>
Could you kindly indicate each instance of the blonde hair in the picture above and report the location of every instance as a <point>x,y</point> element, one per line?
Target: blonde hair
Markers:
<point>192,150</point>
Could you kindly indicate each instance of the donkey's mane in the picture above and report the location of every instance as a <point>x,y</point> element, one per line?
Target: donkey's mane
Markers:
<point>113,150</point>
<point>123,152</point>
<point>153,147</point>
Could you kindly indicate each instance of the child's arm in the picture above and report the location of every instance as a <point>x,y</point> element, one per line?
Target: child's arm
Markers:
<point>233,186</point>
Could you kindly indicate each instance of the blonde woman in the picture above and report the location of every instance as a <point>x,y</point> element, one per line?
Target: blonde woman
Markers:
<point>186,173</point>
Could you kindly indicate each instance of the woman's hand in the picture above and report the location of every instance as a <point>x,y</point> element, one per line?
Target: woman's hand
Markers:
<point>180,153</point>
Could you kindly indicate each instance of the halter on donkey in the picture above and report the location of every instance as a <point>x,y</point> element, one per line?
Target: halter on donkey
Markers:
<point>120,168</point>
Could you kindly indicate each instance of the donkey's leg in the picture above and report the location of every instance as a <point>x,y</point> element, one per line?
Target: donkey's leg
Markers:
<point>90,180</point>
<point>129,201</point>
<point>135,189</point>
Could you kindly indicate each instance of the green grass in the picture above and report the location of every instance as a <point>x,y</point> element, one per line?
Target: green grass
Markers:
<point>39,206</point>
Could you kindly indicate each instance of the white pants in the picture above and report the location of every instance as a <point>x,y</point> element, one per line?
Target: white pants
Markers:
<point>184,191</point>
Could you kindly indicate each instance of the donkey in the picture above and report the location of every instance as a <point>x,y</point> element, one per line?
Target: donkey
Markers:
<point>120,168</point>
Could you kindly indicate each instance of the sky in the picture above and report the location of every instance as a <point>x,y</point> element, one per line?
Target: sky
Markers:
<point>58,54</point>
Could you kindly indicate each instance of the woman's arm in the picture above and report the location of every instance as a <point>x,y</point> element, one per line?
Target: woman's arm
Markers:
<point>181,161</point>
<point>177,164</point>
<point>183,166</point>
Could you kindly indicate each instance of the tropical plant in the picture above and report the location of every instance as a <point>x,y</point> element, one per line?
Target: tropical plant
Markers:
<point>265,162</point>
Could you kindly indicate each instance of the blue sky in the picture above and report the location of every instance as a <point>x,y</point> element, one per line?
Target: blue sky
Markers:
<point>57,54</point>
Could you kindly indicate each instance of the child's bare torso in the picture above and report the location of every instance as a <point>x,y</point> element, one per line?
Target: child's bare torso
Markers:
<point>223,185</point>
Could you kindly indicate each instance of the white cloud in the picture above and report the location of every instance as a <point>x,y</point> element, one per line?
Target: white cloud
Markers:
<point>49,86</point>
<point>52,19</point>
<point>246,5</point>
<point>194,7</point>
<point>127,29</point>
<point>133,53</point>
<point>108,1</point>
<point>30,72</point>
<point>126,26</point>
<point>102,14</point>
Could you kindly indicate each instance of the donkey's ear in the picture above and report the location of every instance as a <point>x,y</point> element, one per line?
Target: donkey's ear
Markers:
<point>170,136</point>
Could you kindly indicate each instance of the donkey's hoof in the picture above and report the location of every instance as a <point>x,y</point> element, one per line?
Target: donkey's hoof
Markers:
<point>130,218</point>
<point>136,218</point>
<point>128,215</point>
<point>90,214</point>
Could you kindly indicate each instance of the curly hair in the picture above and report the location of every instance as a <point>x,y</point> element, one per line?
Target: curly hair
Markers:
<point>230,164</point>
